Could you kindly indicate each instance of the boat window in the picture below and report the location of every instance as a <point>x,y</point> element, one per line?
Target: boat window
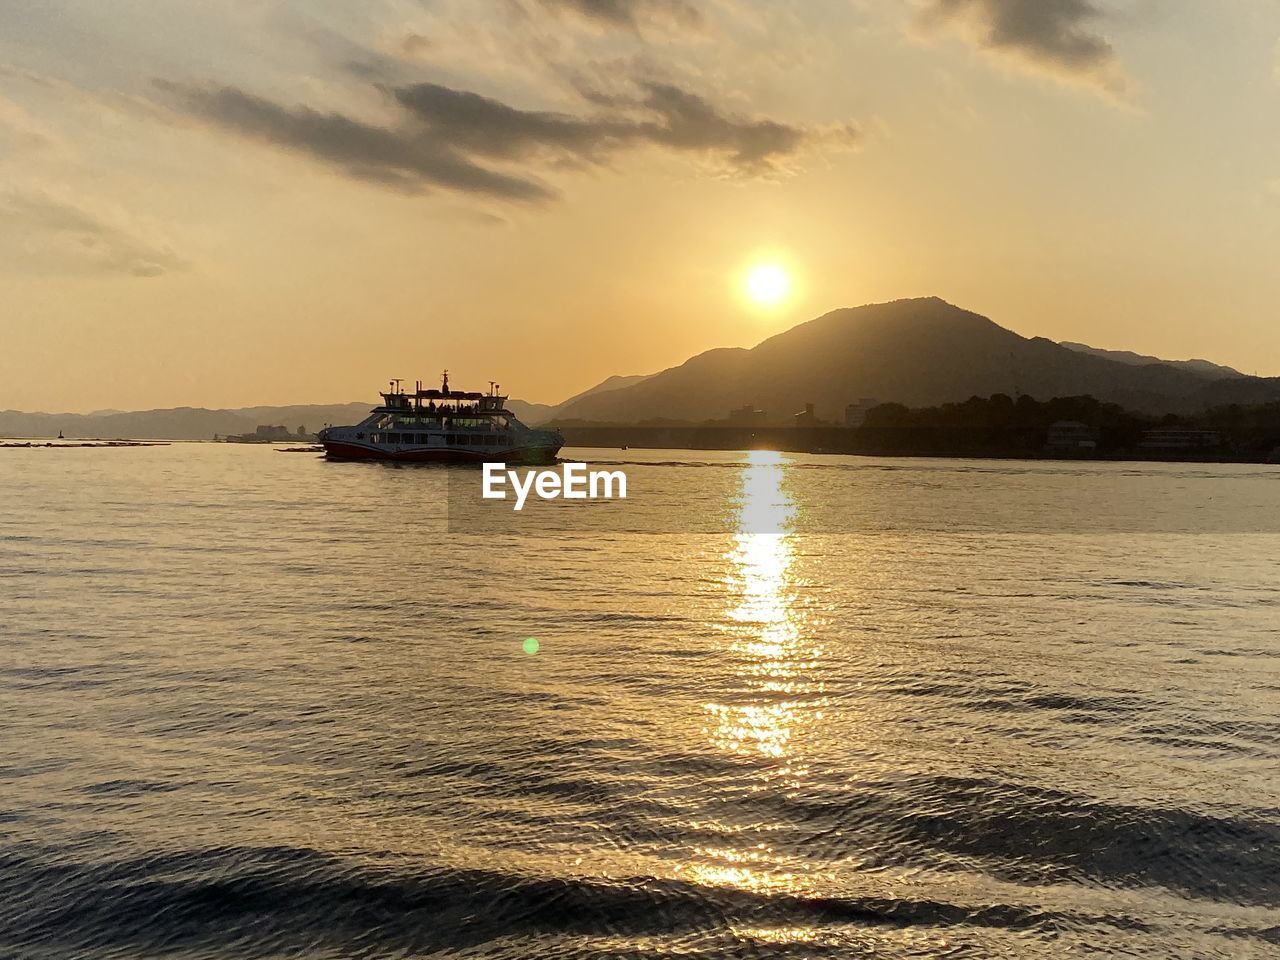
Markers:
<point>393,438</point>
<point>491,439</point>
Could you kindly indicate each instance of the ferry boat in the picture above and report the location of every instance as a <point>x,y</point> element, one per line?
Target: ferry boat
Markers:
<point>441,426</point>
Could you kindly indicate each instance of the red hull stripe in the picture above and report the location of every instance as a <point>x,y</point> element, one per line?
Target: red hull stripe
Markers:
<point>354,451</point>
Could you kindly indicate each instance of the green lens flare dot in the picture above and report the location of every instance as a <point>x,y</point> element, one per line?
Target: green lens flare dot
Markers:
<point>531,645</point>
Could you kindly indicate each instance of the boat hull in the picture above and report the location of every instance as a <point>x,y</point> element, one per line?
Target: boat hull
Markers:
<point>343,450</point>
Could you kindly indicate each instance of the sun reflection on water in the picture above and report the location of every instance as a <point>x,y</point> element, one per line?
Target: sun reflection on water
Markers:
<point>771,696</point>
<point>764,621</point>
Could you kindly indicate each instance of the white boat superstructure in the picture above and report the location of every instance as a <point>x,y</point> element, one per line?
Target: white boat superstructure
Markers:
<point>445,426</point>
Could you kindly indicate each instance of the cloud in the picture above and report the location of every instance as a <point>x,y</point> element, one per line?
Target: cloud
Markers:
<point>22,132</point>
<point>406,158</point>
<point>1054,36</point>
<point>49,228</point>
<point>659,114</point>
<point>452,139</point>
<point>689,122</point>
<point>632,13</point>
<point>491,128</point>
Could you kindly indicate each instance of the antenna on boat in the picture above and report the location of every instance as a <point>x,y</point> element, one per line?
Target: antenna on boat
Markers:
<point>493,388</point>
<point>444,385</point>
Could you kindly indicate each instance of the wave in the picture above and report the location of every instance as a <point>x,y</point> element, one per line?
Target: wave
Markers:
<point>264,901</point>
<point>1036,836</point>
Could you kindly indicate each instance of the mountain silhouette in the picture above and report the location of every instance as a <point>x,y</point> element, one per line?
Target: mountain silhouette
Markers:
<point>1203,367</point>
<point>176,423</point>
<point>917,352</point>
<point>542,412</point>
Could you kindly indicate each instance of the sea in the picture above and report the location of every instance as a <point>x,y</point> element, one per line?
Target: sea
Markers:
<point>254,704</point>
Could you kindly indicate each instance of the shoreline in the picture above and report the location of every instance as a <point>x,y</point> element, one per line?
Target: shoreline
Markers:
<point>862,442</point>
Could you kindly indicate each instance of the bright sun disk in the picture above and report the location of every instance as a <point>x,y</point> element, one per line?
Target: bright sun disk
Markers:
<point>767,283</point>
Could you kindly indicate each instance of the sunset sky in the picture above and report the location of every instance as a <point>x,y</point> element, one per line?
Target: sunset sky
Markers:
<point>244,202</point>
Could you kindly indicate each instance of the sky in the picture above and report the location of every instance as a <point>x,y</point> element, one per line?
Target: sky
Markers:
<point>246,202</point>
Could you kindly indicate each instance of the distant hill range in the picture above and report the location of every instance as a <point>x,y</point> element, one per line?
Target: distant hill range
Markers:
<point>917,352</point>
<point>178,423</point>
<point>198,423</point>
<point>1214,371</point>
<point>543,412</point>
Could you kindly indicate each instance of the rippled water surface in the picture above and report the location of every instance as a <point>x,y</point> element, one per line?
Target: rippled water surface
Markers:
<point>258,705</point>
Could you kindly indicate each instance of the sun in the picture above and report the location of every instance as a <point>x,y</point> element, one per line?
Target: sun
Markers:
<point>767,284</point>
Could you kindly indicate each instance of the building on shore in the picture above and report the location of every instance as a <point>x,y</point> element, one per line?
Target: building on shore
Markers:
<point>747,416</point>
<point>1179,438</point>
<point>1071,436</point>
<point>267,433</point>
<point>855,414</point>
<point>806,417</point>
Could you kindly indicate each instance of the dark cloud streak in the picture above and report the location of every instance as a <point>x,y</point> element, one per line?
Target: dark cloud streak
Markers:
<point>402,158</point>
<point>632,13</point>
<point>1056,35</point>
<point>491,128</point>
<point>663,115</point>
<point>690,123</point>
<point>444,135</point>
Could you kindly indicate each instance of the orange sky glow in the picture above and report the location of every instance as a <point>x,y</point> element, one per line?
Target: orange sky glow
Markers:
<point>246,203</point>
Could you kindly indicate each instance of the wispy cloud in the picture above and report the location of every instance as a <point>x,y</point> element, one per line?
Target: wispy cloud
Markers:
<point>403,157</point>
<point>632,13</point>
<point>1057,37</point>
<point>659,114</point>
<point>451,138</point>
<point>41,226</point>
<point>23,132</point>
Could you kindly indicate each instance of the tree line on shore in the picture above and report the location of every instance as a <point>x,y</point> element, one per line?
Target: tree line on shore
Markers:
<point>1026,422</point>
<point>998,426</point>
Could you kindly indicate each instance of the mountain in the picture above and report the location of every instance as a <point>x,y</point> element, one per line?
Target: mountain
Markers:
<point>917,352</point>
<point>198,423</point>
<point>604,386</point>
<point>535,413</point>
<point>1202,367</point>
<point>178,423</point>
<point>530,413</point>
